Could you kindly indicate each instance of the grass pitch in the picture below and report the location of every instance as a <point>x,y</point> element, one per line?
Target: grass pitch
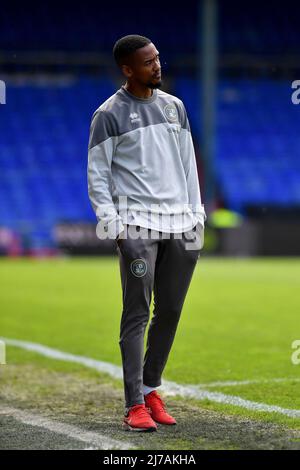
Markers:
<point>238,323</point>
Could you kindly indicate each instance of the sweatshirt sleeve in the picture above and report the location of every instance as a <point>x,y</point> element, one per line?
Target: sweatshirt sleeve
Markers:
<point>190,167</point>
<point>102,144</point>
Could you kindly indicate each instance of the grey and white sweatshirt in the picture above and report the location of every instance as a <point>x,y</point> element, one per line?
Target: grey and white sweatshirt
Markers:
<point>141,164</point>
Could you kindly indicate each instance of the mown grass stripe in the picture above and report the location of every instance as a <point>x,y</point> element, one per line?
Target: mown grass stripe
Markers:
<point>170,388</point>
<point>95,440</point>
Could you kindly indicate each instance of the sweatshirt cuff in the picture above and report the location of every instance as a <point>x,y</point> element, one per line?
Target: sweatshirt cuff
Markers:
<point>114,228</point>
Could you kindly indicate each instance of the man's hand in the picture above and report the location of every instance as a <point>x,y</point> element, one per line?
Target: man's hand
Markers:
<point>120,236</point>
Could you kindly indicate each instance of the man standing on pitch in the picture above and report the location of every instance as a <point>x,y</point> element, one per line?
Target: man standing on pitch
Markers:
<point>144,188</point>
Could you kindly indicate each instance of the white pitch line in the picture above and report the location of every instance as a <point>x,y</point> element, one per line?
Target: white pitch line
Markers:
<point>236,383</point>
<point>94,440</point>
<point>112,370</point>
<point>192,391</point>
<point>169,388</point>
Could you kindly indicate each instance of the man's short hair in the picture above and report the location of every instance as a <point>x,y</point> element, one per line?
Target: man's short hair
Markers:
<point>127,45</point>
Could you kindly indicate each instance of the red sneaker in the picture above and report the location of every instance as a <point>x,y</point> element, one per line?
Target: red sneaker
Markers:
<point>138,419</point>
<point>158,409</point>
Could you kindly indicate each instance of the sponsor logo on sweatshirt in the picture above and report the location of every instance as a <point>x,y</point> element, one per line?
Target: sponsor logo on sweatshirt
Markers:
<point>134,117</point>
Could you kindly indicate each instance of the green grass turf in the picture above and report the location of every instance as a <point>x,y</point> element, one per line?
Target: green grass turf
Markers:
<point>238,322</point>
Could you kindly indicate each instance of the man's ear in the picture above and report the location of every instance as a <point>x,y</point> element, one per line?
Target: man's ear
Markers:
<point>127,71</point>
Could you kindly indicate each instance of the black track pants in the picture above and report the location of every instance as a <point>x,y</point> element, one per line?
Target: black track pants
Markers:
<point>165,267</point>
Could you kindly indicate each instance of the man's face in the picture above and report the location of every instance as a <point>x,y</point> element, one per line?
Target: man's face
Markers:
<point>144,67</point>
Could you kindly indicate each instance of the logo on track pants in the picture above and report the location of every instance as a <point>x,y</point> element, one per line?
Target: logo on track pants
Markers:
<point>138,267</point>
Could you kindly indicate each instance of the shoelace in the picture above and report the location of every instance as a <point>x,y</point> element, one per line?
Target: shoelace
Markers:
<point>141,412</point>
<point>162,406</point>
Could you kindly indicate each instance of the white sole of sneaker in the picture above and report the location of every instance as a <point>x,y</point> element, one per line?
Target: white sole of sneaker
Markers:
<point>166,424</point>
<point>127,427</point>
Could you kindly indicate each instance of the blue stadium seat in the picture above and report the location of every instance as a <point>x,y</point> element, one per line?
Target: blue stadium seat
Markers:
<point>258,143</point>
<point>44,138</point>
